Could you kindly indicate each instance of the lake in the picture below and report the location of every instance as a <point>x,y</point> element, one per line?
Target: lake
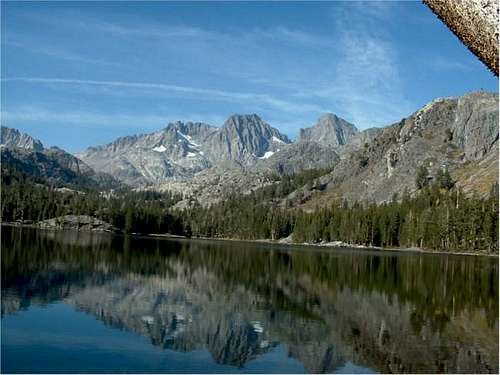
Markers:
<point>83,302</point>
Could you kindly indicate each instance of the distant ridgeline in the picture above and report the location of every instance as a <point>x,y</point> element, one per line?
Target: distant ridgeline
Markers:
<point>428,181</point>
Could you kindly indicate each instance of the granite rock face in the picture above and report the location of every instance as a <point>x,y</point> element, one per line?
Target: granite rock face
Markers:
<point>457,134</point>
<point>181,150</point>
<point>358,141</point>
<point>330,130</point>
<point>475,127</point>
<point>13,138</point>
<point>475,23</point>
<point>300,156</point>
<point>78,222</point>
<point>172,153</point>
<point>245,139</point>
<point>190,154</point>
<point>206,163</point>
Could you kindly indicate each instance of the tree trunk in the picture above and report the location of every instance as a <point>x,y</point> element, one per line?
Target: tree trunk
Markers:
<point>475,23</point>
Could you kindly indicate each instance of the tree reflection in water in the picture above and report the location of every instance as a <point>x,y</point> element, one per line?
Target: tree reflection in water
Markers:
<point>393,312</point>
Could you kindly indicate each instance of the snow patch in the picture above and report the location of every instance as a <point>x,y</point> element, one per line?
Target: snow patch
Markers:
<point>188,138</point>
<point>160,148</point>
<point>276,139</point>
<point>191,154</point>
<point>268,154</point>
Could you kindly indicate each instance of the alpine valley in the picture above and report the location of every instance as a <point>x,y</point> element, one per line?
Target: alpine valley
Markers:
<point>198,165</point>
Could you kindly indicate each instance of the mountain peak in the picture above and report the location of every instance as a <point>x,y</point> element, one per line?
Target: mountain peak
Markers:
<point>14,138</point>
<point>329,117</point>
<point>244,139</point>
<point>239,125</point>
<point>329,130</point>
<point>238,120</point>
<point>245,116</point>
<point>333,119</point>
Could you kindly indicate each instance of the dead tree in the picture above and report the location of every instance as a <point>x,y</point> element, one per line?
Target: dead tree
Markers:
<point>475,23</point>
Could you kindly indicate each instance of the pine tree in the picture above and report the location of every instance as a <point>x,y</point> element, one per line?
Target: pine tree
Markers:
<point>444,180</point>
<point>421,180</point>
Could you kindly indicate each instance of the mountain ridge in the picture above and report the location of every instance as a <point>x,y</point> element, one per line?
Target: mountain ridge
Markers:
<point>53,165</point>
<point>457,133</point>
<point>181,150</point>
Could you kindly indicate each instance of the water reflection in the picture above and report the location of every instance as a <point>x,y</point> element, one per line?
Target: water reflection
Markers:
<point>387,312</point>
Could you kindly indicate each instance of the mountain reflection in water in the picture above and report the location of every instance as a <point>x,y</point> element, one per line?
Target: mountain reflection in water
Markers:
<point>388,312</point>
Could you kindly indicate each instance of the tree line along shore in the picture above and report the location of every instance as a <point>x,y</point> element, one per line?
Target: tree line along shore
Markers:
<point>438,217</point>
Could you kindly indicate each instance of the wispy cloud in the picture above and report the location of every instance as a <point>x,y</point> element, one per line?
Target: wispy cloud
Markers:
<point>245,53</point>
<point>354,59</point>
<point>145,32</point>
<point>71,117</point>
<point>55,52</point>
<point>87,119</point>
<point>367,84</point>
<point>135,28</point>
<point>92,127</point>
<point>203,93</point>
<point>443,63</point>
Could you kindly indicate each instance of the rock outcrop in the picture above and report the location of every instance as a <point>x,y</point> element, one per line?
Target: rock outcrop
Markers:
<point>78,222</point>
<point>300,156</point>
<point>13,138</point>
<point>457,134</point>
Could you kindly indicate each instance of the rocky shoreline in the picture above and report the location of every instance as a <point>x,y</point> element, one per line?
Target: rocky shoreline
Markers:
<point>327,245</point>
<point>81,223</point>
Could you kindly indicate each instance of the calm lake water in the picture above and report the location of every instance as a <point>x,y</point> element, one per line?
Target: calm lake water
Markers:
<point>80,302</point>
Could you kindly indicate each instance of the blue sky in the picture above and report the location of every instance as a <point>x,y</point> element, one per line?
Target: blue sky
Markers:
<point>80,74</point>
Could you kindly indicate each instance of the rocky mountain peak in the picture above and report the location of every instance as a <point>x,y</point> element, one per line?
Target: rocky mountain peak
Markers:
<point>192,128</point>
<point>329,118</point>
<point>14,138</point>
<point>459,134</point>
<point>460,129</point>
<point>175,126</point>
<point>251,123</point>
<point>330,130</point>
<point>244,118</point>
<point>245,139</point>
<point>54,165</point>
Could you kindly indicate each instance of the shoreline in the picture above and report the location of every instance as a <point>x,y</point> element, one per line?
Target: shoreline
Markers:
<point>316,246</point>
<point>325,246</point>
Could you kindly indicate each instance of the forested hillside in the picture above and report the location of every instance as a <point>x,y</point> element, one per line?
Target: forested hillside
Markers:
<point>26,200</point>
<point>438,217</point>
<point>435,218</point>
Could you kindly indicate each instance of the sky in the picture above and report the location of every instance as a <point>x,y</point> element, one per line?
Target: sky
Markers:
<point>76,74</point>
